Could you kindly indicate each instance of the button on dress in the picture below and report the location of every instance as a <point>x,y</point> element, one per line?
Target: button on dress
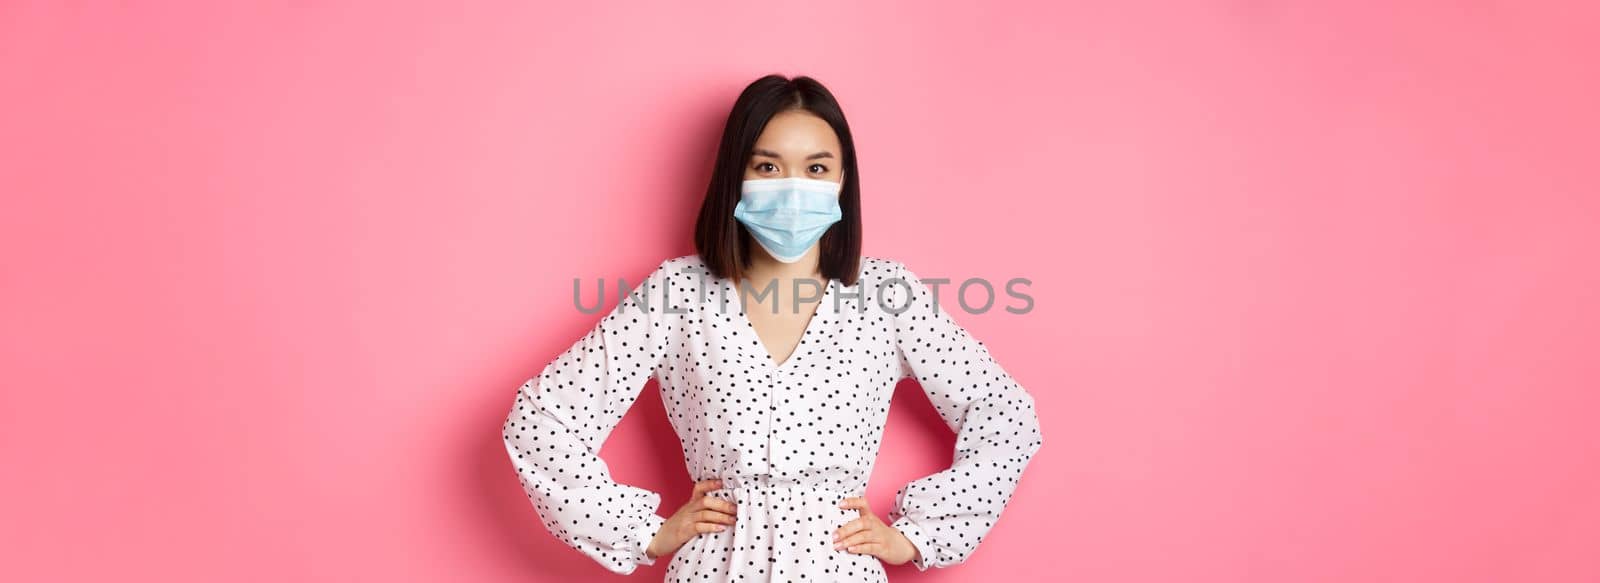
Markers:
<point>788,439</point>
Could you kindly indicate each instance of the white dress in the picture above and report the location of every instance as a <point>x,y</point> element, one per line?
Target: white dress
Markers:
<point>788,440</point>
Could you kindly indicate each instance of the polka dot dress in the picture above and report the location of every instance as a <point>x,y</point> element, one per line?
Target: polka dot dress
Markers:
<point>788,439</point>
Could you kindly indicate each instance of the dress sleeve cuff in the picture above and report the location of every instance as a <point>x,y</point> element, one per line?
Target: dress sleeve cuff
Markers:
<point>640,538</point>
<point>918,539</point>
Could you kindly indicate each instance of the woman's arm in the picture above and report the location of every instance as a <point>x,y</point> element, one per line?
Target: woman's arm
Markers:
<point>946,515</point>
<point>561,417</point>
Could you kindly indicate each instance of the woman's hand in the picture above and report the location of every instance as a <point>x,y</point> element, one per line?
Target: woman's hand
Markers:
<point>870,535</point>
<point>701,514</point>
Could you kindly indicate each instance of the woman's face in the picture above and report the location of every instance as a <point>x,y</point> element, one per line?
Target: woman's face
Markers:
<point>796,143</point>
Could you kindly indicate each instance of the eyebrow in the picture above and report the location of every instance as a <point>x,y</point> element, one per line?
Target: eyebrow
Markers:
<point>772,154</point>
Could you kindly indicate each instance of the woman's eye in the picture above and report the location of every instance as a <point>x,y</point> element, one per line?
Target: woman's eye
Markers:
<point>763,166</point>
<point>823,170</point>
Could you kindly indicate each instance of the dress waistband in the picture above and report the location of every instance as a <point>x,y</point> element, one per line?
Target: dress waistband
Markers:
<point>771,483</point>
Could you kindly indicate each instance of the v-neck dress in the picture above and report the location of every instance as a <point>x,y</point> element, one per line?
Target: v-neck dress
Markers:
<point>788,440</point>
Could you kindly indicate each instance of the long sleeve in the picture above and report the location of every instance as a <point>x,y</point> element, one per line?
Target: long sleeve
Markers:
<point>561,417</point>
<point>948,513</point>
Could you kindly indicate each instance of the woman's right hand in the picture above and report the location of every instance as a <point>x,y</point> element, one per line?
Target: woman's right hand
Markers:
<point>701,514</point>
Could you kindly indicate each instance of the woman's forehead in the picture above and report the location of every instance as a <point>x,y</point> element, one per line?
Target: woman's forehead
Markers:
<point>796,136</point>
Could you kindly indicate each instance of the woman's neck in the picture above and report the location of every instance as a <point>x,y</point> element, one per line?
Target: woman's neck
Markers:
<point>764,267</point>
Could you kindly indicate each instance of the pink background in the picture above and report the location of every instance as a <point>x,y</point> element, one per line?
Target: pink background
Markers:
<point>1316,285</point>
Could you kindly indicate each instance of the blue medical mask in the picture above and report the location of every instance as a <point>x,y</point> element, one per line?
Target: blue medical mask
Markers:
<point>788,215</point>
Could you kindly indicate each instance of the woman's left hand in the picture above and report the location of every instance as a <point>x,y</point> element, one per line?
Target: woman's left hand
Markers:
<point>870,535</point>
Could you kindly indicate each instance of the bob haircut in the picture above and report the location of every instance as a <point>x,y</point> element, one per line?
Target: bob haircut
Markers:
<point>721,241</point>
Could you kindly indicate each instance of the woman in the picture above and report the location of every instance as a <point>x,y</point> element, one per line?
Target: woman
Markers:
<point>779,406</point>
